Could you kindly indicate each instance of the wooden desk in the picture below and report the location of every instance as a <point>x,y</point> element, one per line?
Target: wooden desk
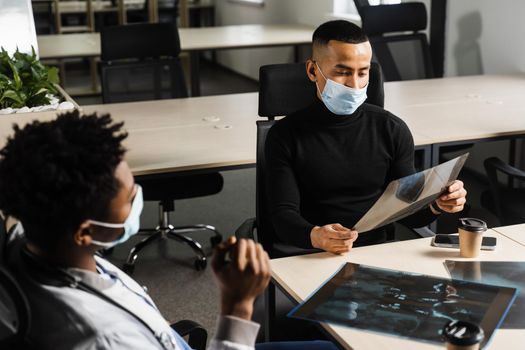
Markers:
<point>413,256</point>
<point>193,40</point>
<point>459,110</point>
<point>172,135</point>
<point>514,232</point>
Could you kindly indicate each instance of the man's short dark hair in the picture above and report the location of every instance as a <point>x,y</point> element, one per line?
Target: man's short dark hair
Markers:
<point>56,174</point>
<point>338,30</point>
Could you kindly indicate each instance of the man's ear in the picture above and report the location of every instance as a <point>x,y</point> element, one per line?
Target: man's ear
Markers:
<point>310,70</point>
<point>82,236</point>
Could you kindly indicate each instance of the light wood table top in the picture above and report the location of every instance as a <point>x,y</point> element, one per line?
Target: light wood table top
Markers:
<point>215,132</point>
<point>171,135</point>
<point>300,276</point>
<point>514,232</point>
<point>191,39</point>
<point>179,134</point>
<point>460,108</point>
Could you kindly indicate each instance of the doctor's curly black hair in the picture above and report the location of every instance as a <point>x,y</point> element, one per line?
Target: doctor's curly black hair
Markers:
<point>56,174</point>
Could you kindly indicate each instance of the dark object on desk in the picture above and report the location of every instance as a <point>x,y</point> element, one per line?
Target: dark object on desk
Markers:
<point>131,50</point>
<point>404,304</point>
<point>461,334</point>
<point>452,241</point>
<point>501,273</point>
<point>284,89</point>
<point>504,199</point>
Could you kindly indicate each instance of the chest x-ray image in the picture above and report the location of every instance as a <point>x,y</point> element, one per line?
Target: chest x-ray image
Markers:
<point>410,194</point>
<point>501,273</point>
<point>404,304</point>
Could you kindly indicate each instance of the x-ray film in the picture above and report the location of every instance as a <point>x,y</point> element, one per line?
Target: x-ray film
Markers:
<point>501,273</point>
<point>410,194</point>
<point>404,304</point>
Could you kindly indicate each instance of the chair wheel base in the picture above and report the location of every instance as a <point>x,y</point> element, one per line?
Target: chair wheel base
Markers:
<point>128,268</point>
<point>200,264</point>
<point>215,240</point>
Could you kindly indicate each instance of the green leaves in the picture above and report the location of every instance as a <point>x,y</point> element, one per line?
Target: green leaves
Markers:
<point>25,81</point>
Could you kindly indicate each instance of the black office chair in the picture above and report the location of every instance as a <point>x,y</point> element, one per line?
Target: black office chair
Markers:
<point>15,318</point>
<point>402,56</point>
<point>284,89</point>
<point>503,199</point>
<point>141,62</point>
<point>15,313</point>
<point>359,4</point>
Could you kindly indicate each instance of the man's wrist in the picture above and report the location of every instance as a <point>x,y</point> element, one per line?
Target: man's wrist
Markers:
<point>241,309</point>
<point>436,210</point>
<point>313,239</point>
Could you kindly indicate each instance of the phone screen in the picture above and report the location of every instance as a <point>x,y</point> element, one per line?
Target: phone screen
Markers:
<point>453,241</point>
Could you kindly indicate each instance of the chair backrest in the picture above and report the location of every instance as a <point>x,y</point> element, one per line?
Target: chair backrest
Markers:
<point>359,4</point>
<point>402,56</point>
<point>15,313</point>
<point>3,240</point>
<point>493,166</point>
<point>141,62</point>
<point>284,89</point>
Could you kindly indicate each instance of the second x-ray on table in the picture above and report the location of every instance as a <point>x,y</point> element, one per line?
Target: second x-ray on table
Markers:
<point>410,194</point>
<point>404,304</point>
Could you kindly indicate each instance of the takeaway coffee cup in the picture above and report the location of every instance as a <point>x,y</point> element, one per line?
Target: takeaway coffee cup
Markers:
<point>470,236</point>
<point>461,335</point>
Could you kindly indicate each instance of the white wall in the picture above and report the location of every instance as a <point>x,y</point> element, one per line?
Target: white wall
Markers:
<point>485,37</point>
<point>248,61</point>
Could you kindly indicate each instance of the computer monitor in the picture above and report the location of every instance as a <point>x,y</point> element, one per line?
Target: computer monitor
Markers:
<point>17,26</point>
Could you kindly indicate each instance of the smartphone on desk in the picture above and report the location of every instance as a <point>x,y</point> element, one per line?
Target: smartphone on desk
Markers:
<point>452,241</point>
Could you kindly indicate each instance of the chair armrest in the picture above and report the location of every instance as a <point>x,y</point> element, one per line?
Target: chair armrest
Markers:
<point>247,229</point>
<point>197,334</point>
<point>506,168</point>
<point>424,232</point>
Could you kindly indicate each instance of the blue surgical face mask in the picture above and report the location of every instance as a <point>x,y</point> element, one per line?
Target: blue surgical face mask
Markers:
<point>341,99</point>
<point>130,226</point>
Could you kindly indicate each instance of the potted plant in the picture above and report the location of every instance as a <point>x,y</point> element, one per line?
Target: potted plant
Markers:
<point>26,85</point>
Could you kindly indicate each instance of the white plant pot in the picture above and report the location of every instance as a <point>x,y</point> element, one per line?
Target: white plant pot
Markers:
<point>55,105</point>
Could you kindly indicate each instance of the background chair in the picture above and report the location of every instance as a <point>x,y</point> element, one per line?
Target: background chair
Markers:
<point>503,199</point>
<point>402,56</point>
<point>141,62</point>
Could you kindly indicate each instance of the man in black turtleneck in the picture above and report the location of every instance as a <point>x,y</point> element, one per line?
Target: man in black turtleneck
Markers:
<point>328,163</point>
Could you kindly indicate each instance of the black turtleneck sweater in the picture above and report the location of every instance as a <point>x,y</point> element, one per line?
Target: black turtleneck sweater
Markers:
<point>324,168</point>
